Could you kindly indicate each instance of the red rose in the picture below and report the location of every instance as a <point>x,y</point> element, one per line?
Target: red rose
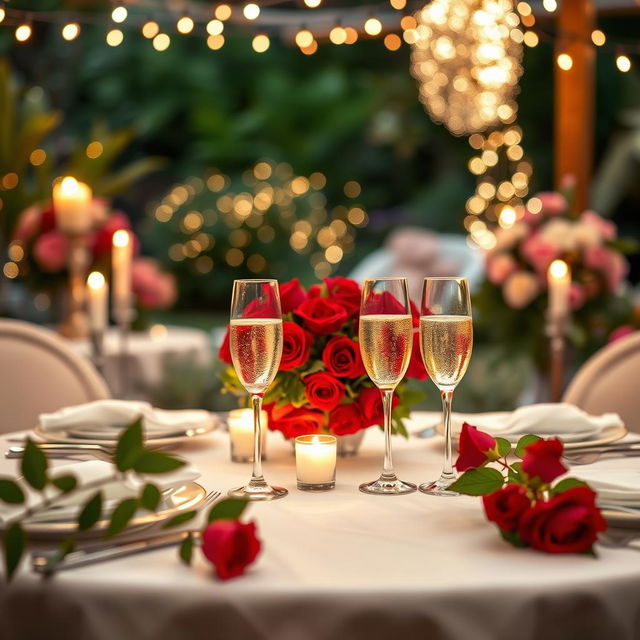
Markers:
<point>323,391</point>
<point>345,419</point>
<point>225,350</point>
<point>294,422</point>
<point>384,302</point>
<point>473,447</point>
<point>321,316</point>
<point>542,459</point>
<point>567,523</point>
<point>370,403</point>
<point>230,546</point>
<point>506,506</point>
<point>416,366</point>
<point>104,237</point>
<point>315,291</point>
<point>296,346</point>
<point>292,295</point>
<point>344,292</point>
<point>341,356</point>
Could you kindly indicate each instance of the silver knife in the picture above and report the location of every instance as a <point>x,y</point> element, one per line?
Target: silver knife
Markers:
<point>40,562</point>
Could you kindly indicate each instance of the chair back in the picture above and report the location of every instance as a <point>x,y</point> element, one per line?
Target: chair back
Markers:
<point>610,381</point>
<point>40,372</point>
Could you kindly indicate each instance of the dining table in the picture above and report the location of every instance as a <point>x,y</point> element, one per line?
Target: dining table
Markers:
<point>338,564</point>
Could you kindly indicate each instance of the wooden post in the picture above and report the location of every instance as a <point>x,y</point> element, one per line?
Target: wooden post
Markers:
<point>574,98</point>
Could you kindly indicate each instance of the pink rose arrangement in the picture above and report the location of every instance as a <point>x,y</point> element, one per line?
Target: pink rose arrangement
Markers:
<point>46,247</point>
<point>519,497</point>
<point>321,383</point>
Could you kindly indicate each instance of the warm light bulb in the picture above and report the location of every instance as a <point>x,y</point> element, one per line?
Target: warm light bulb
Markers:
<point>3,13</point>
<point>623,63</point>
<point>304,38</point>
<point>119,14</point>
<point>565,61</point>
<point>215,27</point>
<point>338,35</point>
<point>95,280</point>
<point>121,238</point>
<point>150,29</point>
<point>185,25</point>
<point>69,186</point>
<point>399,5</point>
<point>161,42</point>
<point>23,32</point>
<point>598,38</point>
<point>312,4</point>
<point>373,26</point>
<point>531,38</point>
<point>392,42</point>
<point>114,37</point>
<point>70,31</point>
<point>222,12</point>
<point>558,269</point>
<point>251,11</point>
<point>550,5</point>
<point>260,43</point>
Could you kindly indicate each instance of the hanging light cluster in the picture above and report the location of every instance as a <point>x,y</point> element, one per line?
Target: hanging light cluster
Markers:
<point>466,59</point>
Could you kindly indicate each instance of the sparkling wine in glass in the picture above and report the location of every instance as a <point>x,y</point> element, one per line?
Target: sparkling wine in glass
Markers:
<point>446,341</point>
<point>386,337</point>
<point>255,340</point>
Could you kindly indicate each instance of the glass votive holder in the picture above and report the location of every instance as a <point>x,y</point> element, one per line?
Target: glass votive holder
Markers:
<point>316,462</point>
<point>240,423</point>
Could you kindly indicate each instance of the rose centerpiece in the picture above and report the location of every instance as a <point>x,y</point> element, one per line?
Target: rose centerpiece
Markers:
<point>321,384</point>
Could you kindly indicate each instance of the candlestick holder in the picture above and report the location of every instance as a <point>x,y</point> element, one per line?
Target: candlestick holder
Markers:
<point>124,328</point>
<point>96,337</point>
<point>75,323</point>
<point>555,330</point>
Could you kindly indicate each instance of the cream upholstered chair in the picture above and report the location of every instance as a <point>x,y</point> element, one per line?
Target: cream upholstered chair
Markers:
<point>39,372</point>
<point>610,381</point>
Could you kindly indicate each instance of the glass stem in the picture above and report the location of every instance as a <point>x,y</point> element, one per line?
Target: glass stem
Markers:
<point>387,402</point>
<point>447,398</point>
<point>256,402</point>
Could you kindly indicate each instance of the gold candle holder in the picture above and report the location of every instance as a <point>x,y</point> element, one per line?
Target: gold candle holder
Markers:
<point>75,323</point>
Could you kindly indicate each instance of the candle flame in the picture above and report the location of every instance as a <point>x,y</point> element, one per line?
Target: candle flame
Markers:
<point>69,186</point>
<point>95,280</point>
<point>121,238</point>
<point>558,269</point>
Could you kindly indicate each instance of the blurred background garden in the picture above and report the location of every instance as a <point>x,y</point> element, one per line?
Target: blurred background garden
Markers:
<point>298,161</point>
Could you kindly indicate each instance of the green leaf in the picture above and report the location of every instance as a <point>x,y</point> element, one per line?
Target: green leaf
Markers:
<point>90,513</point>
<point>478,482</point>
<point>10,492</point>
<point>130,446</point>
<point>504,447</point>
<point>65,483</point>
<point>121,516</point>
<point>516,474</point>
<point>14,541</point>
<point>34,466</point>
<point>150,497</point>
<point>157,462</point>
<point>186,549</point>
<point>566,484</point>
<point>513,538</point>
<point>524,442</point>
<point>227,509</point>
<point>181,518</point>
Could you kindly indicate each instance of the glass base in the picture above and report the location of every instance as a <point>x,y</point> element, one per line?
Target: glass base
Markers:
<point>387,486</point>
<point>258,491</point>
<point>439,488</point>
<point>325,486</point>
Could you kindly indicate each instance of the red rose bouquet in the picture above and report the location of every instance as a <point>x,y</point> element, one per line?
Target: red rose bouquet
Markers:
<point>520,499</point>
<point>322,384</point>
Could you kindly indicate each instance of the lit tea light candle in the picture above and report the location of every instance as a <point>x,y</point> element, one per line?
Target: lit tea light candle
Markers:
<point>559,281</point>
<point>121,257</point>
<point>316,462</point>
<point>71,202</point>
<point>240,423</point>
<point>97,296</point>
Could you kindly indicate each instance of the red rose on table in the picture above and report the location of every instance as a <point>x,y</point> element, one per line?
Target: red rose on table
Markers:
<point>344,292</point>
<point>292,295</point>
<point>506,506</point>
<point>542,459</point>
<point>321,316</point>
<point>567,523</point>
<point>315,291</point>
<point>225,350</point>
<point>341,356</point>
<point>473,447</point>
<point>296,346</point>
<point>230,546</point>
<point>416,366</point>
<point>370,403</point>
<point>323,391</point>
<point>294,422</point>
<point>345,419</point>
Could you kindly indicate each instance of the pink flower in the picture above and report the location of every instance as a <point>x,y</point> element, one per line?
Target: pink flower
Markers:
<point>499,267</point>
<point>621,332</point>
<point>520,289</point>
<point>155,289</point>
<point>50,251</point>
<point>538,253</point>
<point>577,296</point>
<point>606,228</point>
<point>553,203</point>
<point>611,264</point>
<point>28,224</point>
<point>104,237</point>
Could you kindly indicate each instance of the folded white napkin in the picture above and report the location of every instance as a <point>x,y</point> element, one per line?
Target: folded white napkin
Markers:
<point>95,471</point>
<point>562,420</point>
<point>108,417</point>
<point>616,480</point>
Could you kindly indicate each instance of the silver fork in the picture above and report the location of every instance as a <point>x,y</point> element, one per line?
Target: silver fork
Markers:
<point>60,450</point>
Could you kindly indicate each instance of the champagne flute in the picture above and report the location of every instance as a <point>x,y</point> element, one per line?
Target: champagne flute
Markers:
<point>255,339</point>
<point>386,337</point>
<point>446,341</point>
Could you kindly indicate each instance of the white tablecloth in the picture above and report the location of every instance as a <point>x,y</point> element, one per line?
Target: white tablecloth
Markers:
<point>341,564</point>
